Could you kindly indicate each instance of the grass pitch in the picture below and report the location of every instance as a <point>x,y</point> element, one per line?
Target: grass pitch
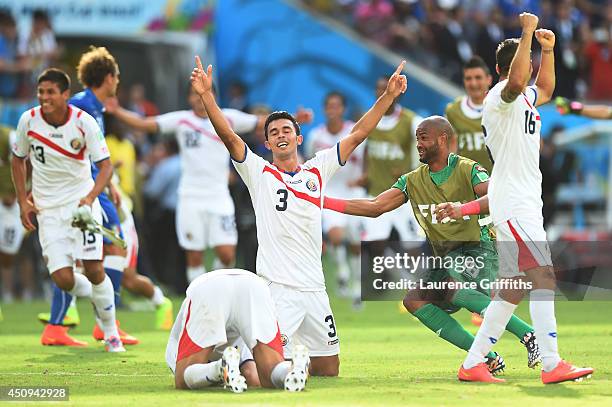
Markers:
<point>387,358</point>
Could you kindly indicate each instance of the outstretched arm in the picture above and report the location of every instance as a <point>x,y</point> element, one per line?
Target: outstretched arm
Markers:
<point>202,84</point>
<point>521,63</point>
<point>146,124</point>
<point>545,81</point>
<point>565,106</point>
<point>396,86</point>
<point>387,201</point>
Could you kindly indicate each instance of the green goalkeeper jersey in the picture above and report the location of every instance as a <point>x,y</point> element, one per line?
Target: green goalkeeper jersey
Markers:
<point>470,138</point>
<point>6,183</point>
<point>454,183</point>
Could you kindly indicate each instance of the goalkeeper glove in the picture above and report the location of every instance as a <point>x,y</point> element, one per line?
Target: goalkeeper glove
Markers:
<point>565,106</point>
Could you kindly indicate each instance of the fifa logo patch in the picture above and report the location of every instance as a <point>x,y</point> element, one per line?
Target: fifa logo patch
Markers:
<point>76,144</point>
<point>284,339</point>
<point>493,340</point>
<point>310,184</point>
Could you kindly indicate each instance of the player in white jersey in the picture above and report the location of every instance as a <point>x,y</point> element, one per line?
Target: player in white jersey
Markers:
<point>205,210</point>
<point>511,124</point>
<point>341,230</point>
<point>59,140</point>
<point>287,198</point>
<point>223,309</point>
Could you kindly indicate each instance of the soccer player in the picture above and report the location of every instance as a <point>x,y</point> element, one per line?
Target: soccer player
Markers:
<point>445,176</point>
<point>287,199</point>
<point>224,307</point>
<point>465,113</point>
<point>337,227</point>
<point>391,152</point>
<point>60,140</point>
<point>566,106</point>
<point>205,210</point>
<point>11,230</point>
<point>511,124</point>
<point>99,74</point>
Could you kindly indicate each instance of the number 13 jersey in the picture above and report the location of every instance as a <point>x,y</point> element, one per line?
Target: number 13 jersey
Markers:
<point>512,135</point>
<point>288,217</point>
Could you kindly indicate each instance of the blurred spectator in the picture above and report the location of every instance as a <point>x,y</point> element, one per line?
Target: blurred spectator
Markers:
<point>568,30</point>
<point>489,35</point>
<point>373,19</point>
<point>139,103</point>
<point>10,64</point>
<point>39,47</point>
<point>599,54</point>
<point>124,155</point>
<point>237,97</point>
<point>160,193</point>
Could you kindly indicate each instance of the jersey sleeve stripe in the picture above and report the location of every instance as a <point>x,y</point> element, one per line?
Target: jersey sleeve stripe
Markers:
<point>338,153</point>
<point>246,151</point>
<point>300,195</point>
<point>78,156</point>
<point>535,91</point>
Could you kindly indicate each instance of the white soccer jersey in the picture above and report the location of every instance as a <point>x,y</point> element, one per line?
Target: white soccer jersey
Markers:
<point>512,135</point>
<point>60,156</point>
<point>288,217</point>
<point>319,139</point>
<point>204,158</point>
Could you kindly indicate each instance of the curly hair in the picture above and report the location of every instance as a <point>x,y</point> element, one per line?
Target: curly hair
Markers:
<point>94,65</point>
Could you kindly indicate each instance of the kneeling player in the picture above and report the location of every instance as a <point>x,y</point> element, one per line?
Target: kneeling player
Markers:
<point>221,307</point>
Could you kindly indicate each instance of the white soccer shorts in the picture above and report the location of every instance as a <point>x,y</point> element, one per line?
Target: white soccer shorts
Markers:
<point>198,229</point>
<point>63,244</point>
<point>521,245</point>
<point>401,218</point>
<point>352,225</point>
<point>11,229</point>
<point>306,318</point>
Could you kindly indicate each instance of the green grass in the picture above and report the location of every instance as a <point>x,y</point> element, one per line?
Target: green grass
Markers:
<point>387,358</point>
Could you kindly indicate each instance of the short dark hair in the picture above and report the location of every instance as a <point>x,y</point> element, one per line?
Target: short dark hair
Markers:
<point>57,76</point>
<point>477,62</point>
<point>334,93</point>
<point>94,65</point>
<point>281,115</point>
<point>505,53</point>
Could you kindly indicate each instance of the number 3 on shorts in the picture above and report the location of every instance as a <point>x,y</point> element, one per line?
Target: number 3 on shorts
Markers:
<point>332,326</point>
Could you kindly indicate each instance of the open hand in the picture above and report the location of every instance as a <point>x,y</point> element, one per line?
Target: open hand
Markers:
<point>201,80</point>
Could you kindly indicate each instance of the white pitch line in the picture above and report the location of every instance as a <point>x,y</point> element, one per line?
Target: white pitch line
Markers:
<point>81,374</point>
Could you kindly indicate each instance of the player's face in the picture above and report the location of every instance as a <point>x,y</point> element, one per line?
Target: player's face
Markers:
<point>51,99</point>
<point>334,108</point>
<point>476,82</point>
<point>427,144</point>
<point>282,138</point>
<point>113,81</point>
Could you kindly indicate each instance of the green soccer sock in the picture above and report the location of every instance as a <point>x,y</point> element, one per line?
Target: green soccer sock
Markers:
<point>476,301</point>
<point>445,326</point>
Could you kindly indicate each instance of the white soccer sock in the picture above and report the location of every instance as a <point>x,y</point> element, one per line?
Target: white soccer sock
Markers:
<point>73,302</point>
<point>279,373</point>
<point>495,320</point>
<point>82,287</point>
<point>344,272</point>
<point>195,272</point>
<point>202,374</point>
<point>542,310</point>
<point>158,296</point>
<point>103,299</point>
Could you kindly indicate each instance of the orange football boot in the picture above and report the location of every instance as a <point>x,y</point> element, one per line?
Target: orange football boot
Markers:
<point>125,337</point>
<point>565,372</point>
<point>479,373</point>
<point>58,335</point>
<point>476,319</point>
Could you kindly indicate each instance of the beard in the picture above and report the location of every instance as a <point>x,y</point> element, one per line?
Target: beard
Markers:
<point>429,154</point>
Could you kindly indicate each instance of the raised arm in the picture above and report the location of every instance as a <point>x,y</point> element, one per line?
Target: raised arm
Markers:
<point>202,85</point>
<point>396,86</point>
<point>521,63</point>
<point>545,81</point>
<point>146,124</point>
<point>387,201</point>
<point>565,106</point>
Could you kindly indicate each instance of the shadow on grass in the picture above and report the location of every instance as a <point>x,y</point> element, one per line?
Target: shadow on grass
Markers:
<point>563,390</point>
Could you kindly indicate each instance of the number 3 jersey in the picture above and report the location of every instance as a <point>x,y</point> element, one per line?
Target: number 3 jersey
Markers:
<point>60,156</point>
<point>288,217</point>
<point>512,135</point>
<point>205,162</point>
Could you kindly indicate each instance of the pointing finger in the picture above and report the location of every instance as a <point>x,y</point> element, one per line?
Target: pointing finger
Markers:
<point>400,67</point>
<point>199,63</point>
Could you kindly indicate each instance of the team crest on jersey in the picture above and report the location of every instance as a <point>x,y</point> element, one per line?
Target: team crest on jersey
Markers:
<point>310,184</point>
<point>284,339</point>
<point>76,144</point>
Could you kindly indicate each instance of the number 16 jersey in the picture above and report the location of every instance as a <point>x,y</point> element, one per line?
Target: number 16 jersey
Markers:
<point>288,217</point>
<point>512,135</point>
